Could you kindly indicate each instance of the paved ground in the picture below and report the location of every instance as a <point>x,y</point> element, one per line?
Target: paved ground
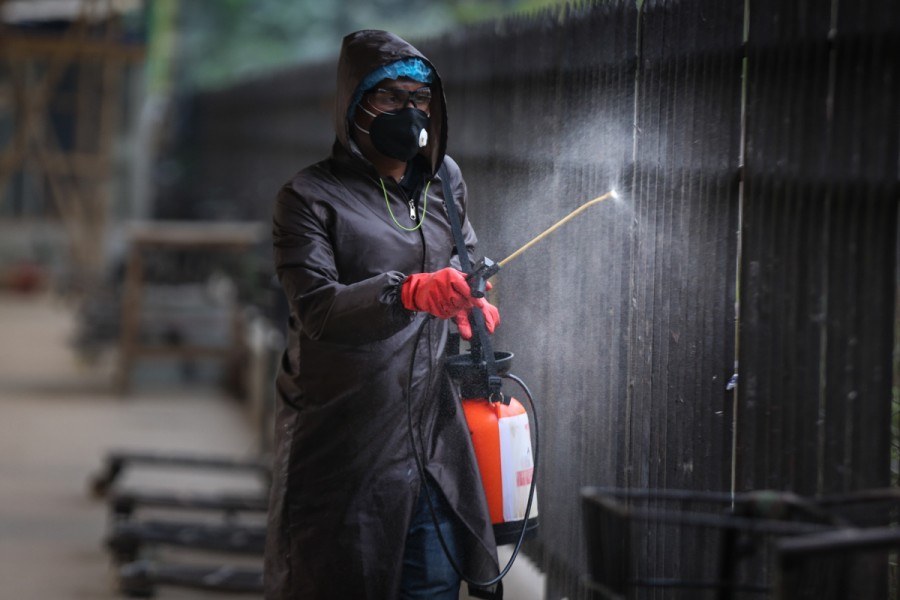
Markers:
<point>58,420</point>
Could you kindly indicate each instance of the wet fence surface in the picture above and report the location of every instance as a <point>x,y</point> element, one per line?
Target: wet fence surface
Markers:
<point>755,149</point>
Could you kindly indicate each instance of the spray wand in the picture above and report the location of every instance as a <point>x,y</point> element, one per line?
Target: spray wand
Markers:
<point>480,370</point>
<point>487,268</point>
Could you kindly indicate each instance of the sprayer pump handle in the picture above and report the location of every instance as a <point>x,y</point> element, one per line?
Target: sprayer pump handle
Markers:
<point>484,270</point>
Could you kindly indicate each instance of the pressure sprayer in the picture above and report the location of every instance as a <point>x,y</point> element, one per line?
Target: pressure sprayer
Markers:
<point>499,425</point>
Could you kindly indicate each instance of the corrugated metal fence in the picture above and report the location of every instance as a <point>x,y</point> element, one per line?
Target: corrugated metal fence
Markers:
<point>755,147</point>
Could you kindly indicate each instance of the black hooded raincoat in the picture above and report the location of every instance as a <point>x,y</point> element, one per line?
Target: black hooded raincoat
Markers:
<point>357,364</point>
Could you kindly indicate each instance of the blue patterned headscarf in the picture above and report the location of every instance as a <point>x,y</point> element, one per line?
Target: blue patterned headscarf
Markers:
<point>414,68</point>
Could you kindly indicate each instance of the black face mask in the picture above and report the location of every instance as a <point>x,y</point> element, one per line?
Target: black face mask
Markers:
<point>399,135</point>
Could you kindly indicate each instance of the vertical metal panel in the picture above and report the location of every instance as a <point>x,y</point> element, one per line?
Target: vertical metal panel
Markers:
<point>819,237</point>
<point>687,132</point>
<point>787,87</point>
<point>864,164</point>
<point>819,250</point>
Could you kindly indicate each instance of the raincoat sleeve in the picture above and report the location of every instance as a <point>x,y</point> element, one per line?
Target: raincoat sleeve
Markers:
<point>360,312</point>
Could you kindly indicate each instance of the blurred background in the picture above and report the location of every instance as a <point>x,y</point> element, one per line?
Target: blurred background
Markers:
<point>136,314</point>
<point>727,328</point>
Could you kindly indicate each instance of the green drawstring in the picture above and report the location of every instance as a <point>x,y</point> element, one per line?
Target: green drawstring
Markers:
<point>390,212</point>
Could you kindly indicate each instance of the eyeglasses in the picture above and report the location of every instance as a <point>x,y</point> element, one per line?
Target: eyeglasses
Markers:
<point>397,98</point>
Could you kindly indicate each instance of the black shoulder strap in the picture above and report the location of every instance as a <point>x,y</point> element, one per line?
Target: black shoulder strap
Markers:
<point>453,214</point>
<point>481,350</point>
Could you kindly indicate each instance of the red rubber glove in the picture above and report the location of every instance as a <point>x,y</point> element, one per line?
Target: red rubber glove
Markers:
<point>443,293</point>
<point>491,318</point>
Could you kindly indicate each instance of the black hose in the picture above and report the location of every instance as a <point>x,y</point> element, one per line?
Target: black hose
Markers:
<point>421,468</point>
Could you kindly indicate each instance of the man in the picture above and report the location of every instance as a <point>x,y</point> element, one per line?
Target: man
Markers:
<point>363,250</point>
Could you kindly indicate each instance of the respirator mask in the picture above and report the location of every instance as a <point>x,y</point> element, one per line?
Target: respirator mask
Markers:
<point>400,134</point>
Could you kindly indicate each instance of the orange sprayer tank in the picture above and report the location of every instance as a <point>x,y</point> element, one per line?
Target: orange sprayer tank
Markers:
<point>501,437</point>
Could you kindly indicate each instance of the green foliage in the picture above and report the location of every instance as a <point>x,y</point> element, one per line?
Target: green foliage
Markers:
<point>224,41</point>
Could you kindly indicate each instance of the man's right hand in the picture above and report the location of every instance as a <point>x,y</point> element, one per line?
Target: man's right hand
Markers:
<point>443,293</point>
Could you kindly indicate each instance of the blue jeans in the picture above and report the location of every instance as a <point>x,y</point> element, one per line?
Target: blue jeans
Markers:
<point>427,574</point>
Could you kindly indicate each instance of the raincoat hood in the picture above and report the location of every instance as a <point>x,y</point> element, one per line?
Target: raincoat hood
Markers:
<point>362,53</point>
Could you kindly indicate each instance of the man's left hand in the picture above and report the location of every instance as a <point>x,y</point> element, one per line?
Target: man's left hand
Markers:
<point>491,318</point>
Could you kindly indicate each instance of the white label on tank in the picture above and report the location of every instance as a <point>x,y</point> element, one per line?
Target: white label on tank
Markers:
<point>516,467</point>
